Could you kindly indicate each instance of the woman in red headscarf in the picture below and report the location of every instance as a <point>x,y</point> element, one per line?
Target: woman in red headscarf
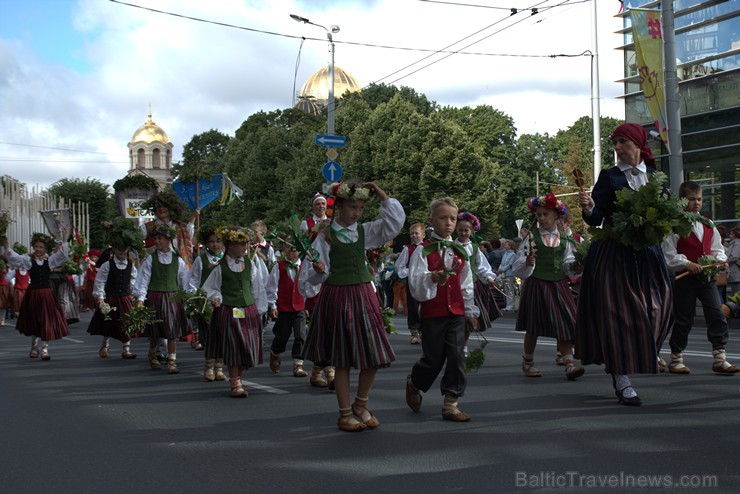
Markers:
<point>625,300</point>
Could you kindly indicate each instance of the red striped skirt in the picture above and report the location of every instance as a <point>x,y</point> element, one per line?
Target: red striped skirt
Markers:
<point>169,314</point>
<point>484,299</point>
<point>18,298</point>
<point>42,316</point>
<point>347,329</point>
<point>112,328</point>
<point>547,308</point>
<point>624,308</point>
<point>238,341</point>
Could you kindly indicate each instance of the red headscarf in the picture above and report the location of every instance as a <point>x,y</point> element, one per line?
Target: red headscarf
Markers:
<point>637,134</point>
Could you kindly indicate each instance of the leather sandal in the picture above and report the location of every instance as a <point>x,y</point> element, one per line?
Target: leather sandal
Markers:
<point>127,355</point>
<point>237,391</point>
<point>274,363</point>
<point>299,371</point>
<point>45,353</point>
<point>529,369</point>
<point>413,395</point>
<point>103,352</point>
<point>450,411</point>
<point>348,423</point>
<point>359,409</point>
<point>572,372</point>
<point>317,380</point>
<point>219,372</point>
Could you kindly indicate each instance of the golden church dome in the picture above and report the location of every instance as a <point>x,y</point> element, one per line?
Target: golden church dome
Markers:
<point>150,132</point>
<point>317,86</point>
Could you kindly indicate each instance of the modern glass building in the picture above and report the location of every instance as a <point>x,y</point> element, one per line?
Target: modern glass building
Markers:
<point>708,61</point>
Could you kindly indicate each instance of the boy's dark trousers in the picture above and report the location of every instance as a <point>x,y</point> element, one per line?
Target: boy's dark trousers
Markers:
<point>413,307</point>
<point>685,293</point>
<point>442,339</point>
<point>289,323</point>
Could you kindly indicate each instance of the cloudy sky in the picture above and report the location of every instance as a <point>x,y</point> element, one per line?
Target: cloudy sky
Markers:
<point>77,76</point>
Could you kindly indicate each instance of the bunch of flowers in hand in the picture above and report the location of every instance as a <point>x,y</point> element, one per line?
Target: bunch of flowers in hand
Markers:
<point>289,233</point>
<point>106,309</point>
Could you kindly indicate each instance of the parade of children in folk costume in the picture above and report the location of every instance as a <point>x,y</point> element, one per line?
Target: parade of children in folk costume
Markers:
<point>483,277</point>
<point>203,265</point>
<point>347,328</point>
<point>547,307</point>
<point>113,287</point>
<point>40,316</point>
<point>236,288</point>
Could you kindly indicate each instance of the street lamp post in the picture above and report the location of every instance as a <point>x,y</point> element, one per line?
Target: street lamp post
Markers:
<point>330,100</point>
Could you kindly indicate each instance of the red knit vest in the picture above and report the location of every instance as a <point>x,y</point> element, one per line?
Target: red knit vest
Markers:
<point>310,223</point>
<point>288,297</point>
<point>449,300</point>
<point>692,248</point>
<point>410,248</point>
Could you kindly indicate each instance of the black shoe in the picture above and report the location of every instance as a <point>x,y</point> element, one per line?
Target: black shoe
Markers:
<point>634,401</point>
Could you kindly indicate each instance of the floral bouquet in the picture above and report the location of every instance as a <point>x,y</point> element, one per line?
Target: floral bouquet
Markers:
<point>106,309</point>
<point>290,233</point>
<point>646,216</point>
<point>390,327</point>
<point>196,304</point>
<point>72,267</point>
<point>476,357</point>
<point>135,320</point>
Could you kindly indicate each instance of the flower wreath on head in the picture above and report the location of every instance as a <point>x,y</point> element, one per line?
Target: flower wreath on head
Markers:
<point>236,235</point>
<point>548,201</point>
<point>45,239</point>
<point>470,218</point>
<point>163,230</point>
<point>343,190</point>
<point>167,199</point>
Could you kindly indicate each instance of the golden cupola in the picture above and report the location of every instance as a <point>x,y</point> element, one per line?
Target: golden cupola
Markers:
<point>150,132</point>
<point>150,152</point>
<point>316,87</point>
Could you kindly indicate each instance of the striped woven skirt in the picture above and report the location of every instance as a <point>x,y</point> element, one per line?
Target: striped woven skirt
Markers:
<point>41,315</point>
<point>624,308</point>
<point>112,328</point>
<point>238,341</point>
<point>169,316</point>
<point>347,329</point>
<point>486,302</point>
<point>67,297</point>
<point>6,297</point>
<point>547,308</point>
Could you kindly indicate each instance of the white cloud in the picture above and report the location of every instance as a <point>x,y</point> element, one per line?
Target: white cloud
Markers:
<point>200,76</point>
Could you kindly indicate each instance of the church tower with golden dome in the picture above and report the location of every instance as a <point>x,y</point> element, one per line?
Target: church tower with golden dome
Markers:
<point>150,152</point>
<point>314,95</point>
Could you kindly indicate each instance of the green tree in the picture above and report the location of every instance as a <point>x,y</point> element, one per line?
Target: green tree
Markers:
<point>202,156</point>
<point>98,198</point>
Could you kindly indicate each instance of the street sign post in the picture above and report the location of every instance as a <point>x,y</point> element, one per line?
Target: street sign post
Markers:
<point>332,171</point>
<point>329,140</point>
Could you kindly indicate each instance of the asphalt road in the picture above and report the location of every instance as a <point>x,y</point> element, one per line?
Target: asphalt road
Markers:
<point>79,423</point>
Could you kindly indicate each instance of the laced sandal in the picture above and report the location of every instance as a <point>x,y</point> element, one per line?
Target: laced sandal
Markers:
<point>661,364</point>
<point>413,395</point>
<point>677,366</point>
<point>329,373</point>
<point>195,344</point>
<point>450,411</point>
<point>34,353</point>
<point>572,372</point>
<point>172,365</point>
<point>317,380</point>
<point>359,409</point>
<point>154,361</point>
<point>559,359</point>
<point>415,337</point>
<point>219,372</point>
<point>274,363</point>
<point>103,352</point>
<point>237,390</point>
<point>721,365</point>
<point>347,421</point>
<point>529,369</point>
<point>299,371</point>
<point>208,373</point>
<point>127,355</point>
<point>45,353</point>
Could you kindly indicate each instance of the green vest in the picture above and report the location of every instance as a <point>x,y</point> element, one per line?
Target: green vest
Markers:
<point>549,265</point>
<point>236,288</point>
<point>164,276</point>
<point>348,261</point>
<point>206,268</point>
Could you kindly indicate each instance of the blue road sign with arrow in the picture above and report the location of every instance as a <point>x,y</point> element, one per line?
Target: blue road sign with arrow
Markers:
<point>332,171</point>
<point>329,140</point>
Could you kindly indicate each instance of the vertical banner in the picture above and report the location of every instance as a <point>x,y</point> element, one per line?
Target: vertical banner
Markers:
<point>648,37</point>
<point>208,190</point>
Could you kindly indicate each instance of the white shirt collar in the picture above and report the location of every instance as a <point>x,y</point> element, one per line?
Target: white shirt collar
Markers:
<point>627,168</point>
<point>337,227</point>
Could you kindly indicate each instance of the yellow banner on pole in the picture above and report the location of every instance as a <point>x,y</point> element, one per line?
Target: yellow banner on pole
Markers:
<point>648,36</point>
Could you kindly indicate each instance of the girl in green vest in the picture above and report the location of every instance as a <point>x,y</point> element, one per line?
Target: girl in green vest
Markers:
<point>161,274</point>
<point>236,288</point>
<point>346,326</point>
<point>213,252</point>
<point>547,307</point>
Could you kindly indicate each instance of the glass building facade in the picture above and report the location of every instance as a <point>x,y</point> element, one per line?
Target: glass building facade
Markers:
<point>708,69</point>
